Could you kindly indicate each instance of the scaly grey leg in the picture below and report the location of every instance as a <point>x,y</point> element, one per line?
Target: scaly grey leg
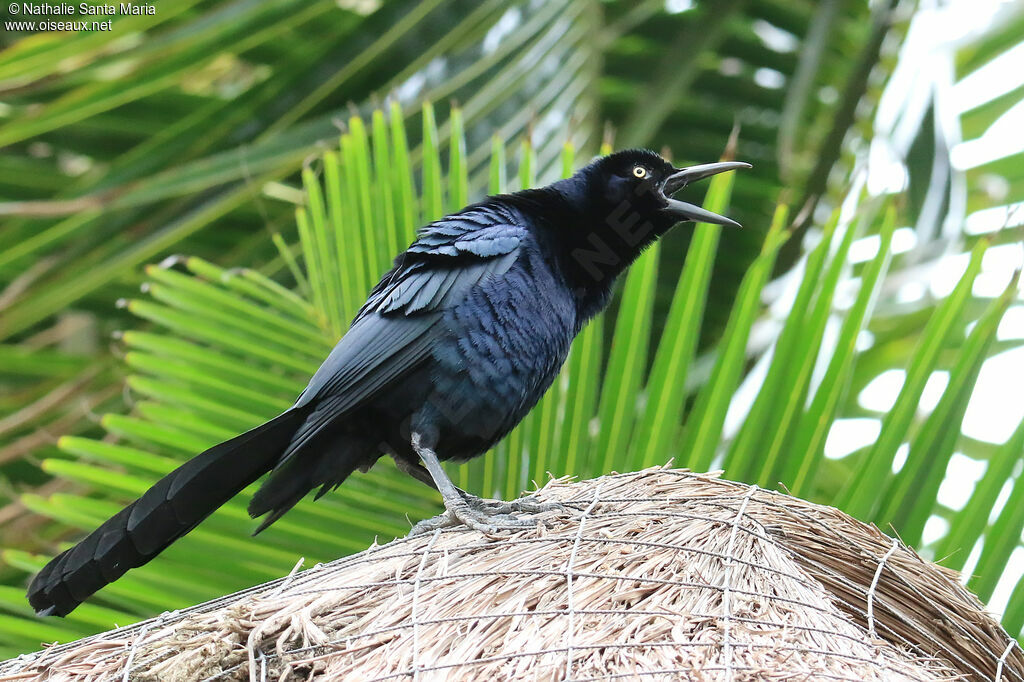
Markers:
<point>416,470</point>
<point>522,504</point>
<point>473,511</point>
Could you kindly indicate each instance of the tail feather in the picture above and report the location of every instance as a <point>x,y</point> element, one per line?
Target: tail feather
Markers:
<point>170,509</point>
<point>324,461</point>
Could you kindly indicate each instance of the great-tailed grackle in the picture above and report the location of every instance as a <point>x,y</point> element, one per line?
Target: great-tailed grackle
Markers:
<point>452,348</point>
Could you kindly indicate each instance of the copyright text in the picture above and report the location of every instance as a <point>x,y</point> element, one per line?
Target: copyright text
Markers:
<point>63,16</point>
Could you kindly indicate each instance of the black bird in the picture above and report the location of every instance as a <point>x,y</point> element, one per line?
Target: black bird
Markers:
<point>453,347</point>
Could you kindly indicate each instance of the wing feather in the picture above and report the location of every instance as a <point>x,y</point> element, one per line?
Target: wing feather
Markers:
<point>375,349</point>
<point>396,327</point>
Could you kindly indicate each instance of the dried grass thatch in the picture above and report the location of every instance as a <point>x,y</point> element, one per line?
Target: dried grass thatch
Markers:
<point>659,574</point>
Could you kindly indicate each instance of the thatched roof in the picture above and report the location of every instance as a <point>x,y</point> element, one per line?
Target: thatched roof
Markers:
<point>660,574</point>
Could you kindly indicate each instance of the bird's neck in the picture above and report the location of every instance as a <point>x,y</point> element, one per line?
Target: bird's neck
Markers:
<point>593,243</point>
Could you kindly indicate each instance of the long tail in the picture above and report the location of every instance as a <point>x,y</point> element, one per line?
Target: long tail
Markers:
<point>317,464</point>
<point>170,509</point>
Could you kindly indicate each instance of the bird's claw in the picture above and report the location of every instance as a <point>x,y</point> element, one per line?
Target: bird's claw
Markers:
<point>521,505</point>
<point>486,516</point>
<point>489,523</point>
<point>526,505</point>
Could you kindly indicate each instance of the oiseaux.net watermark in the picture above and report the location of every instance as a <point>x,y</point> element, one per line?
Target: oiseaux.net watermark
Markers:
<point>65,16</point>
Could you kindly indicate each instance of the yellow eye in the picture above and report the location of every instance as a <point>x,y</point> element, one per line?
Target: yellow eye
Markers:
<point>639,171</point>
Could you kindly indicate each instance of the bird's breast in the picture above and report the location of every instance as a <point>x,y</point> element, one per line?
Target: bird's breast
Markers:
<point>517,326</point>
<point>501,349</point>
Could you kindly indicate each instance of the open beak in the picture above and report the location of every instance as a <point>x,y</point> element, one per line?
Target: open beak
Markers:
<point>683,177</point>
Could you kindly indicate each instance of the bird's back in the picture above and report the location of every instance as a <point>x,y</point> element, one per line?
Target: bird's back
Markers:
<point>460,339</point>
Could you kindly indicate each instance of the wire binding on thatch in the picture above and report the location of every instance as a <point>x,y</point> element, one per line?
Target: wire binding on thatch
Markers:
<point>661,574</point>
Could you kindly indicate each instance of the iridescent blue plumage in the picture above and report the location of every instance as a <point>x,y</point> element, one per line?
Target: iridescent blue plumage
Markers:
<point>452,348</point>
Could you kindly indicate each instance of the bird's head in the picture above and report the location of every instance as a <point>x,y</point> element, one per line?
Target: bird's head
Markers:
<point>624,203</point>
<point>637,185</point>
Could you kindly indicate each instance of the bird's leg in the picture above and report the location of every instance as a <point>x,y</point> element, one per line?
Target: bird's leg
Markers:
<point>523,504</point>
<point>469,509</point>
<point>416,470</point>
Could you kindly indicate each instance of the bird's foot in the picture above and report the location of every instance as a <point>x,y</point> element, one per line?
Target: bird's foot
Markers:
<point>530,505</point>
<point>486,516</point>
<point>486,521</point>
<point>520,505</point>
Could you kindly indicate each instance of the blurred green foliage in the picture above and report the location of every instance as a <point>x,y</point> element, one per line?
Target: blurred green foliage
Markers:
<point>212,129</point>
